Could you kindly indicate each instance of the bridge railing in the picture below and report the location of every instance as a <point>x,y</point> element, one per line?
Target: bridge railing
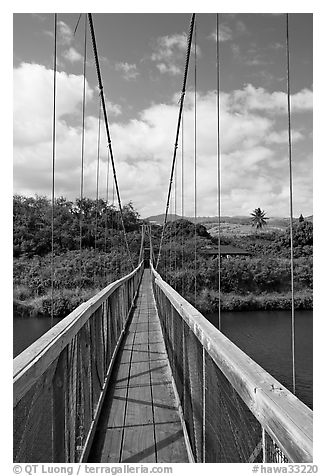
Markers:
<point>60,380</point>
<point>234,411</point>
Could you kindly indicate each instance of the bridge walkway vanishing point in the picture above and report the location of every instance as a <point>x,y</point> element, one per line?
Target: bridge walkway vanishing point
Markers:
<point>140,420</point>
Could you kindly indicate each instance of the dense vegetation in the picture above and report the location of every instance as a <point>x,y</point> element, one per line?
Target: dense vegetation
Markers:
<point>259,281</point>
<point>77,276</point>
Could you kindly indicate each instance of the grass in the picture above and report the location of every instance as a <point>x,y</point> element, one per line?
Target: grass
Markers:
<point>208,300</point>
<point>64,302</point>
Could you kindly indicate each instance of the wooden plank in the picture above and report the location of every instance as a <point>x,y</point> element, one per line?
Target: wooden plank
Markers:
<point>158,347</point>
<point>108,446</point>
<point>139,445</point>
<point>170,444</point>
<point>140,355</point>
<point>113,412</point>
<point>139,373</point>
<point>155,336</point>
<point>164,404</point>
<point>121,376</point>
<point>126,356</point>
<point>141,327</point>
<point>160,371</point>
<point>139,406</point>
<point>141,337</point>
<point>156,355</point>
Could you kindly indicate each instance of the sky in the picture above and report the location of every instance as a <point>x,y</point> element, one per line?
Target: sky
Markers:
<point>142,60</point>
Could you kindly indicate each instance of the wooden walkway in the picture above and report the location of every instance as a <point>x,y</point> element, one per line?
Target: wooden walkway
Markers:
<point>140,421</point>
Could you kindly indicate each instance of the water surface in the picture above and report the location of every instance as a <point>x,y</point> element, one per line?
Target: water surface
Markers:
<point>26,330</point>
<point>266,337</point>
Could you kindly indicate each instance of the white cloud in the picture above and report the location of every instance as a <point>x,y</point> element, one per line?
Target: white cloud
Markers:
<point>65,34</point>
<point>259,99</point>
<point>254,165</point>
<point>282,137</point>
<point>113,109</point>
<point>72,55</point>
<point>33,101</point>
<point>169,53</point>
<point>225,33</point>
<point>129,70</point>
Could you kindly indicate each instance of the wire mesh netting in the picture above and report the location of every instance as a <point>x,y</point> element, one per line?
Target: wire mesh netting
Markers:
<point>52,420</point>
<point>33,421</point>
<point>232,433</point>
<point>273,453</point>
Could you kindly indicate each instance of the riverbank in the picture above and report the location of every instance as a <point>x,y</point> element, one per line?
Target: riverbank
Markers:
<point>66,300</point>
<point>208,301</point>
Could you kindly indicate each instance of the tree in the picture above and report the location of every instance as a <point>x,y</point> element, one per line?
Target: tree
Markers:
<point>258,218</point>
<point>301,219</point>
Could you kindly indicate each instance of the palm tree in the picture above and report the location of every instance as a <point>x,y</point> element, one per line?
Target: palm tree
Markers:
<point>258,218</point>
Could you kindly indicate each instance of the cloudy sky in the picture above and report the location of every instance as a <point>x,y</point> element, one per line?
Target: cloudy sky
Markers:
<point>142,61</point>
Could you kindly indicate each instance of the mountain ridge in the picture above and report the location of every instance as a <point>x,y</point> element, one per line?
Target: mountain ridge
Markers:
<point>236,219</point>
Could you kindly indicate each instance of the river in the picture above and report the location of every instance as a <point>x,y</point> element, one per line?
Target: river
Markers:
<point>263,335</point>
<point>26,330</point>
<point>266,337</point>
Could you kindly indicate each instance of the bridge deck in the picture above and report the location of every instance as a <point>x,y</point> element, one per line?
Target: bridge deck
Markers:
<point>140,421</point>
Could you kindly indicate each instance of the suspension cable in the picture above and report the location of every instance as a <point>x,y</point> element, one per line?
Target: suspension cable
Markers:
<point>291,195</point>
<point>97,174</point>
<point>183,92</point>
<point>100,85</point>
<point>175,219</point>
<point>143,231</point>
<point>195,159</point>
<point>170,242</point>
<point>77,24</point>
<point>113,224</point>
<point>182,200</point>
<point>107,202</point>
<point>218,166</point>
<point>82,154</point>
<point>53,162</point>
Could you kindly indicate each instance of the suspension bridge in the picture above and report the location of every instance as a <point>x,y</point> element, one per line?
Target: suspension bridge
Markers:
<point>137,374</point>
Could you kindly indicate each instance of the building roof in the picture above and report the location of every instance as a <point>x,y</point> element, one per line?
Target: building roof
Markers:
<point>225,250</point>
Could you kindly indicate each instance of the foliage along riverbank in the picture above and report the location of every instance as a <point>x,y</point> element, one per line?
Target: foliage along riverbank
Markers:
<point>260,281</point>
<point>208,301</point>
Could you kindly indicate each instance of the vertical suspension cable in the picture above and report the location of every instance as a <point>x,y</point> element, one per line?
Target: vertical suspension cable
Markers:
<point>97,176</point>
<point>53,163</point>
<point>291,197</point>
<point>82,154</point>
<point>106,206</point>
<point>113,216</point>
<point>175,216</point>
<point>183,93</point>
<point>170,242</point>
<point>182,202</point>
<point>218,150</point>
<point>106,122</point>
<point>218,166</point>
<point>195,156</point>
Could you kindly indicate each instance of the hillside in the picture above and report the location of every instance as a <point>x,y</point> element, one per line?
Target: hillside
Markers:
<point>230,225</point>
